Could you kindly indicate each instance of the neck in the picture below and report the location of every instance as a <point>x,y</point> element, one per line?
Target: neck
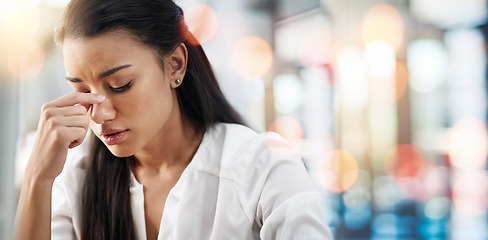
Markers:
<point>173,148</point>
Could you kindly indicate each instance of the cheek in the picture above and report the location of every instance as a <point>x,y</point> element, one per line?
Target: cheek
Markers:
<point>141,108</point>
<point>131,107</point>
<point>155,99</point>
<point>147,103</point>
<point>156,106</point>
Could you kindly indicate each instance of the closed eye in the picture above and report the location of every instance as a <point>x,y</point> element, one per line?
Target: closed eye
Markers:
<point>123,88</point>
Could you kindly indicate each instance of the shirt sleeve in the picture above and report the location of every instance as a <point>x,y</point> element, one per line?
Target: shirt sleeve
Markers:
<point>289,204</point>
<point>299,217</point>
<point>66,193</point>
<point>62,217</point>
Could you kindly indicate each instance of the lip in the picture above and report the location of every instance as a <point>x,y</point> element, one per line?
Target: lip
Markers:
<point>113,136</point>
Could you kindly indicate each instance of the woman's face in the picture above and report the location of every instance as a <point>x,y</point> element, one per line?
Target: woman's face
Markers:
<point>140,105</point>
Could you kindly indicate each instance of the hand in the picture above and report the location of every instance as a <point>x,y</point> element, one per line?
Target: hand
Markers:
<point>63,125</point>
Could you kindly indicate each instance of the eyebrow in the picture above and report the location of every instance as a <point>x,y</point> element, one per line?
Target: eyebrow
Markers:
<point>103,74</point>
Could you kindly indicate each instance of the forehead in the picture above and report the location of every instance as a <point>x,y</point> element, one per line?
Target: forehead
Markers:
<point>104,50</point>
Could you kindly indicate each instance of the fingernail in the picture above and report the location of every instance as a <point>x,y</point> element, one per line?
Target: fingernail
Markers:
<point>101,97</point>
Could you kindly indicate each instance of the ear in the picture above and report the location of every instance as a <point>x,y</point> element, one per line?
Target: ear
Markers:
<point>178,60</point>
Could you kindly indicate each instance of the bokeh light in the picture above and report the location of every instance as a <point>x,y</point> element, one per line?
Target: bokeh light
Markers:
<point>19,20</point>
<point>353,78</point>
<point>383,22</point>
<point>470,193</point>
<point>57,3</point>
<point>202,22</point>
<point>381,63</point>
<point>380,59</point>
<point>288,93</point>
<point>338,171</point>
<point>401,80</point>
<point>432,181</point>
<point>232,28</point>
<point>315,48</point>
<point>252,57</point>
<point>357,219</point>
<point>465,49</point>
<point>427,64</point>
<point>429,182</point>
<point>403,162</point>
<point>386,193</point>
<point>25,60</point>
<point>31,3</point>
<point>358,197</point>
<point>385,224</point>
<point>468,144</point>
<point>417,179</point>
<point>437,208</point>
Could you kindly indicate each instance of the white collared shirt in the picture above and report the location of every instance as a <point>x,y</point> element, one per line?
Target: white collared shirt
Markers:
<point>239,185</point>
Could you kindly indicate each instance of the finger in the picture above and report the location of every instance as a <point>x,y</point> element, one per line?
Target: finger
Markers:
<point>60,123</point>
<point>66,111</point>
<point>74,144</point>
<point>77,109</point>
<point>77,98</point>
<point>59,113</point>
<point>77,136</point>
<point>86,106</point>
<point>77,121</point>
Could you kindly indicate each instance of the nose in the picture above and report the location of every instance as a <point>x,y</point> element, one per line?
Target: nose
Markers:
<point>102,112</point>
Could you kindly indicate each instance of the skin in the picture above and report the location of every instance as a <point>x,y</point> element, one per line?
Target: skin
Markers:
<point>160,139</point>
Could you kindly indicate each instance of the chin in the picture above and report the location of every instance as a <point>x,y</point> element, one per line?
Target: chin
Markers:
<point>122,155</point>
<point>119,152</point>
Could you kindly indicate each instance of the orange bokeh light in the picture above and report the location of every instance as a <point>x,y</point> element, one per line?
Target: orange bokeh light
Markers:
<point>202,22</point>
<point>338,171</point>
<point>401,80</point>
<point>470,194</point>
<point>25,60</point>
<point>252,57</point>
<point>383,22</point>
<point>468,144</point>
<point>19,20</point>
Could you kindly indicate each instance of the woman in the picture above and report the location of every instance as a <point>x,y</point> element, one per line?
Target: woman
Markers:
<point>167,156</point>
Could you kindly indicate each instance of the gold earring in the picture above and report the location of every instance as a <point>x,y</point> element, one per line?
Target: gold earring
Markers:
<point>178,81</point>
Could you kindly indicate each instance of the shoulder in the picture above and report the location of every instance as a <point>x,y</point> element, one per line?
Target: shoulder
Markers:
<point>264,167</point>
<point>229,132</point>
<point>247,156</point>
<point>241,145</point>
<point>241,138</point>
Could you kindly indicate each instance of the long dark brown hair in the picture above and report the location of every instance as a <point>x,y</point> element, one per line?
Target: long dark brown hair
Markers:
<point>105,204</point>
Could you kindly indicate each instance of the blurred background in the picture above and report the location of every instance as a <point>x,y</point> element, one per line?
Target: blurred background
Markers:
<point>385,100</point>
